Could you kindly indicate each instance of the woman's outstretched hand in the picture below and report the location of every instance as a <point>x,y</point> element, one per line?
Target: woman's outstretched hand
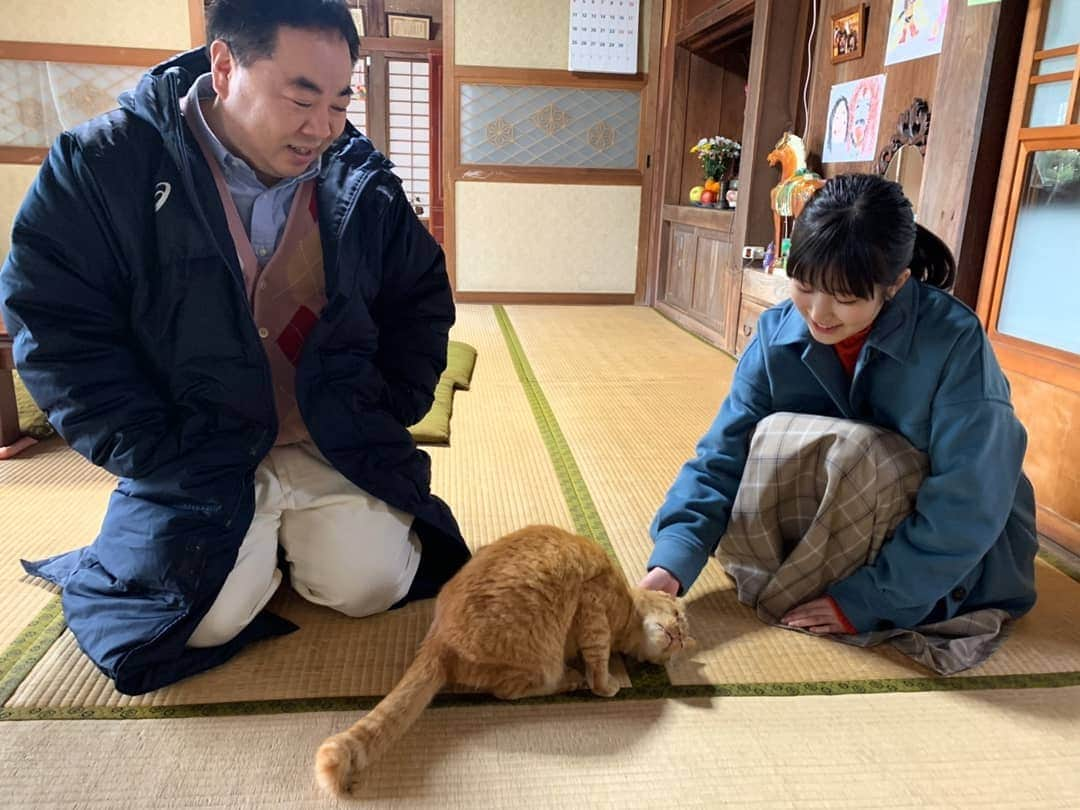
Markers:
<point>660,579</point>
<point>821,615</point>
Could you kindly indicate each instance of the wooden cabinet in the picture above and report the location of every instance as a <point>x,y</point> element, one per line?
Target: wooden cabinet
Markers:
<point>682,258</point>
<point>748,314</point>
<point>699,287</point>
<point>727,67</point>
<point>712,290</point>
<point>703,286</point>
<point>760,291</point>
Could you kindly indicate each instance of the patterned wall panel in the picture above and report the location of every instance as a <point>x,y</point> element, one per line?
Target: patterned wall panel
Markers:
<point>38,100</point>
<point>549,126</point>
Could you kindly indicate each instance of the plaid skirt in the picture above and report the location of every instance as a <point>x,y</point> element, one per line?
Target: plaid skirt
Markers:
<point>818,498</point>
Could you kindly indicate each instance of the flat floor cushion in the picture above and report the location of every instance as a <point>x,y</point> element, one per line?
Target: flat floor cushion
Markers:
<point>435,427</point>
<point>32,421</point>
<point>460,359</point>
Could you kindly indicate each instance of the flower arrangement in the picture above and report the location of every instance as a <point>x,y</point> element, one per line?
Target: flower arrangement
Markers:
<point>718,156</point>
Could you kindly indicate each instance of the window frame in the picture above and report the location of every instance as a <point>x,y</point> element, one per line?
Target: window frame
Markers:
<point>1053,365</point>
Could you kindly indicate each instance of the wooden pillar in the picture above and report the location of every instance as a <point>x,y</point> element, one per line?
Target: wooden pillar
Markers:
<point>376,18</point>
<point>967,131</point>
<point>435,83</point>
<point>378,102</point>
<point>777,61</point>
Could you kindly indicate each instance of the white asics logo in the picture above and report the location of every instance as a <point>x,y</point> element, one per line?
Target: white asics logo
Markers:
<point>161,194</point>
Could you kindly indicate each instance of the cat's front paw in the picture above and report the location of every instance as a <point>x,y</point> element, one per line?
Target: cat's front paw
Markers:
<point>606,687</point>
<point>572,681</point>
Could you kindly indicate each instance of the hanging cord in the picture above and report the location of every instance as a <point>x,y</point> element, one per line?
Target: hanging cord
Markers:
<point>809,69</point>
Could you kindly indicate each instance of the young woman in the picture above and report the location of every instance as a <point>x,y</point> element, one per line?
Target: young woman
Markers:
<point>865,469</point>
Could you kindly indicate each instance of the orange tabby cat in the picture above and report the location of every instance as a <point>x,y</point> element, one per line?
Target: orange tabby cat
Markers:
<point>507,623</point>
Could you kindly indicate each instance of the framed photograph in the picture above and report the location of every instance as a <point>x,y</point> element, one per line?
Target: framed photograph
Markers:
<point>848,39</point>
<point>358,19</point>
<point>413,26</point>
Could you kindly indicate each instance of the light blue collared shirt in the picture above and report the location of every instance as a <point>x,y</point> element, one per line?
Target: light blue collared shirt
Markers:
<point>264,211</point>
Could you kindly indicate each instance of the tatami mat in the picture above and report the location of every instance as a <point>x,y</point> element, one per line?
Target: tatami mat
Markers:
<point>330,656</point>
<point>51,500</point>
<point>633,394</point>
<point>1004,750</point>
<point>630,394</point>
<point>496,476</point>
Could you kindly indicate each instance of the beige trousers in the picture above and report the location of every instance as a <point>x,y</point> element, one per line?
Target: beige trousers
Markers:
<point>345,549</point>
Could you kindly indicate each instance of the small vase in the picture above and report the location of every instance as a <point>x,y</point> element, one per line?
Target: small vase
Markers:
<point>721,197</point>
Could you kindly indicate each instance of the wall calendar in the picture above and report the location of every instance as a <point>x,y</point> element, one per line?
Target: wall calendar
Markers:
<point>604,35</point>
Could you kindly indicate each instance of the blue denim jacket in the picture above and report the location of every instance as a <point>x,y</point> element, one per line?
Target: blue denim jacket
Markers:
<point>926,372</point>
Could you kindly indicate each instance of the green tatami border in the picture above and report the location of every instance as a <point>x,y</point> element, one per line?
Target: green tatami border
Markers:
<point>649,683</point>
<point>575,491</point>
<point>29,647</point>
<point>1053,680</point>
<point>582,509</point>
<point>1056,561</point>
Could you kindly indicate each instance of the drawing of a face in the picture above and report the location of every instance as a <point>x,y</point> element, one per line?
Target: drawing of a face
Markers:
<point>860,115</point>
<point>838,123</point>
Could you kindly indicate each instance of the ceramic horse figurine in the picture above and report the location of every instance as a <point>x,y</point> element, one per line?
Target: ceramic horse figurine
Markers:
<point>797,184</point>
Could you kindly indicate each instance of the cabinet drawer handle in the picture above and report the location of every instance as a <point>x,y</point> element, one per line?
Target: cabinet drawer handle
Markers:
<point>747,329</point>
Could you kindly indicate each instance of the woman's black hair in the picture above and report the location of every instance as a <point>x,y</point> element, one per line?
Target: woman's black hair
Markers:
<point>859,231</point>
<point>249,27</point>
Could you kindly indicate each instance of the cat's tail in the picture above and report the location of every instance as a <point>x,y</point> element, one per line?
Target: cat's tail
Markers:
<point>341,757</point>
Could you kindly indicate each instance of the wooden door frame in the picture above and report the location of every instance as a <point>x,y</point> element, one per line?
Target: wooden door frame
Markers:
<point>654,224</point>
<point>993,276</point>
<point>450,137</point>
<point>1041,362</point>
<point>649,146</point>
<point>197,22</point>
<point>1046,363</point>
<point>436,66</point>
<point>1036,361</point>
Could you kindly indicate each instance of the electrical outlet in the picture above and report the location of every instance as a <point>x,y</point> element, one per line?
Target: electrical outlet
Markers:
<point>753,253</point>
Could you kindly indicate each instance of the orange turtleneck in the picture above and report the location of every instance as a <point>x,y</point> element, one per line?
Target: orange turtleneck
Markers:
<point>848,349</point>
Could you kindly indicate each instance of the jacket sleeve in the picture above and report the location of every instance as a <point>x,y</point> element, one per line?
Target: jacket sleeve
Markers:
<point>414,311</point>
<point>64,294</point>
<point>976,453</point>
<point>695,514</point>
